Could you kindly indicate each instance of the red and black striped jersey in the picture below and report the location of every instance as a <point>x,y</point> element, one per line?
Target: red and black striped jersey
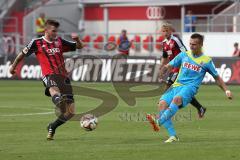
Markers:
<point>172,47</point>
<point>50,54</point>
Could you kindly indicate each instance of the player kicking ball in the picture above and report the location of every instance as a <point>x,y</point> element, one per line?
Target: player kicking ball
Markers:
<point>49,51</point>
<point>193,66</point>
<point>172,46</point>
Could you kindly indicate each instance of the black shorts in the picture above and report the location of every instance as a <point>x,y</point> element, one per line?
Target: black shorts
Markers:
<point>172,77</point>
<point>56,80</point>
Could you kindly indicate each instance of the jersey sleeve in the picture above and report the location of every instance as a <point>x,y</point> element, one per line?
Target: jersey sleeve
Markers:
<point>177,61</point>
<point>180,45</point>
<point>68,45</point>
<point>30,48</point>
<point>212,69</point>
<point>183,48</point>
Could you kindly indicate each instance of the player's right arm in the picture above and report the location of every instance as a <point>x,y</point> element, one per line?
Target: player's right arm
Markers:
<point>28,50</point>
<point>175,63</point>
<point>18,59</point>
<point>164,61</point>
<point>164,69</point>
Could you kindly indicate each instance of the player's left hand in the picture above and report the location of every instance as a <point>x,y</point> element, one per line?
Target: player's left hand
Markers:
<point>160,80</point>
<point>75,36</point>
<point>229,94</point>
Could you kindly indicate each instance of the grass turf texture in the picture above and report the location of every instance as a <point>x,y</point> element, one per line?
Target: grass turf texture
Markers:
<point>122,133</point>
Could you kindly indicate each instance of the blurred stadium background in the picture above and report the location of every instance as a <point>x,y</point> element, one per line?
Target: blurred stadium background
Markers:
<point>98,22</point>
<point>24,110</point>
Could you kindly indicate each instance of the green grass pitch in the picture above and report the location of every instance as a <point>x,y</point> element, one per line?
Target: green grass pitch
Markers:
<point>121,134</point>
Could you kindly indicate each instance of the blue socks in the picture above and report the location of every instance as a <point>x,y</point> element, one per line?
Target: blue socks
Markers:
<point>166,118</point>
<point>168,114</point>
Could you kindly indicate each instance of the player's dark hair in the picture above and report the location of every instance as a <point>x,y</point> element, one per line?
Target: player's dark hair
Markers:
<point>52,22</point>
<point>198,36</point>
<point>124,30</point>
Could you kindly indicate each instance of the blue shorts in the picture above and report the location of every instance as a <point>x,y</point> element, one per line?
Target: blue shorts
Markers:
<point>186,92</point>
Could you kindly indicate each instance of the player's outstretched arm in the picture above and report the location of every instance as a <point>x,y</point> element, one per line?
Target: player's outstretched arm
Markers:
<point>18,59</point>
<point>164,61</point>
<point>164,69</point>
<point>223,86</point>
<point>79,43</point>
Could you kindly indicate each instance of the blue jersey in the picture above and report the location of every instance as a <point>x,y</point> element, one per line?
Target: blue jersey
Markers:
<point>192,69</point>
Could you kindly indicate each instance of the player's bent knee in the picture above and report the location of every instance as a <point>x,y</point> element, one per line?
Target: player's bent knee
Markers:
<point>68,115</point>
<point>162,105</point>
<point>69,99</point>
<point>71,109</point>
<point>177,100</point>
<point>54,90</point>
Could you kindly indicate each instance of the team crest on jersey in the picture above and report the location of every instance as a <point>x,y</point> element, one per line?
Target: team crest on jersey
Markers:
<point>56,43</point>
<point>192,66</point>
<point>169,52</point>
<point>171,45</point>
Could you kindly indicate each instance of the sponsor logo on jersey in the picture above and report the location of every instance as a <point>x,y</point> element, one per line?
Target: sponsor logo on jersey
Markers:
<point>52,51</point>
<point>192,66</point>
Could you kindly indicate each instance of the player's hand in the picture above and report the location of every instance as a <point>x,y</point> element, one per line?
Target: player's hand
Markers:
<point>160,80</point>
<point>75,36</point>
<point>12,70</point>
<point>161,76</point>
<point>229,94</point>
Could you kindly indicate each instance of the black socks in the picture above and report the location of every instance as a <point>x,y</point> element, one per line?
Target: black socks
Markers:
<point>196,104</point>
<point>58,122</point>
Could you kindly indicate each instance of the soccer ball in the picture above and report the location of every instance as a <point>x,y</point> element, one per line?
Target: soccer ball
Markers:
<point>89,122</point>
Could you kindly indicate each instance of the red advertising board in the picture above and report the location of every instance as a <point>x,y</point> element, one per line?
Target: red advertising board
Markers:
<point>106,69</point>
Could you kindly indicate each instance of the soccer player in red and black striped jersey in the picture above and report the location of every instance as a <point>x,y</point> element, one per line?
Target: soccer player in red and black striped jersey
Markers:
<point>49,51</point>
<point>172,46</point>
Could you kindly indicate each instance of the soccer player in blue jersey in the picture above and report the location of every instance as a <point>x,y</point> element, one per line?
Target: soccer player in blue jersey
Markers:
<point>193,66</point>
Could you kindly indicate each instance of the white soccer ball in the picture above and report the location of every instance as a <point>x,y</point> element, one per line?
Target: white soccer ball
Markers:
<point>89,122</point>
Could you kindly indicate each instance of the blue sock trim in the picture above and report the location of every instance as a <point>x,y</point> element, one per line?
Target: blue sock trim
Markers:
<point>170,128</point>
<point>161,112</point>
<point>169,113</point>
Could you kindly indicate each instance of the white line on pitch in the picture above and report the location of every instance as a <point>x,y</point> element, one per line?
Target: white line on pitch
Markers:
<point>26,114</point>
<point>27,107</point>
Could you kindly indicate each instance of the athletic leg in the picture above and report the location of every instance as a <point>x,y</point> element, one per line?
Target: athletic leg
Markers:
<point>201,110</point>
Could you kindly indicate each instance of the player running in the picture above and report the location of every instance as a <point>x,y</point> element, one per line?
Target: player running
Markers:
<point>193,66</point>
<point>49,53</point>
<point>172,46</point>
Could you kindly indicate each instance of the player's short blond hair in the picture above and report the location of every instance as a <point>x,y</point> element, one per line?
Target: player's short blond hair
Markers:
<point>166,25</point>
